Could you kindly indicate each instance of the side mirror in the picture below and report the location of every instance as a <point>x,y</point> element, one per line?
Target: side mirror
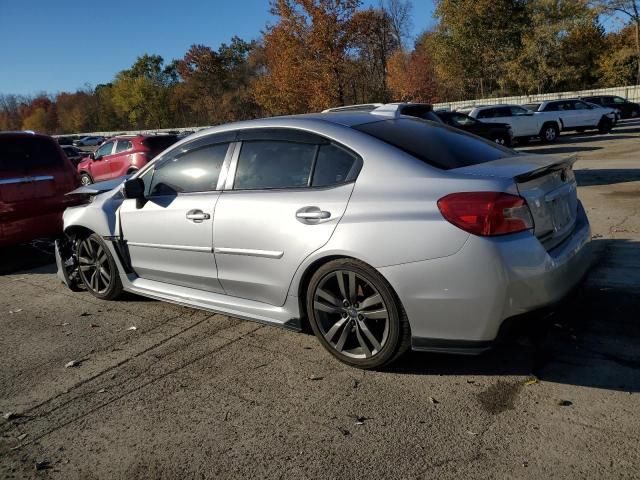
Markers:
<point>134,188</point>
<point>92,156</point>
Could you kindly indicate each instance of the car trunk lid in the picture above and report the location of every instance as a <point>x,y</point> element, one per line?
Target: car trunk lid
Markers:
<point>547,183</point>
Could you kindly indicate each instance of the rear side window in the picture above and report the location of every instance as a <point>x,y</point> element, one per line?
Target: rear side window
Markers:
<point>488,113</point>
<point>334,165</point>
<point>264,164</point>
<point>26,152</point>
<point>192,171</point>
<point>123,145</point>
<point>437,145</point>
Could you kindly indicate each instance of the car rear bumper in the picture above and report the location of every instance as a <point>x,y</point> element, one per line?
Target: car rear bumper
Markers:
<point>458,303</point>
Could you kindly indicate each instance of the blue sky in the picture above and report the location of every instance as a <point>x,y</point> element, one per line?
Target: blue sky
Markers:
<point>62,45</point>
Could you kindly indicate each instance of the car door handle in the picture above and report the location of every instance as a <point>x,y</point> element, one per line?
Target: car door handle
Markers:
<point>197,216</point>
<point>312,213</point>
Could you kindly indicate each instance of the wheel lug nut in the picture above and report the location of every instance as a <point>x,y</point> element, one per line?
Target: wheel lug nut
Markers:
<point>345,303</point>
<point>360,317</point>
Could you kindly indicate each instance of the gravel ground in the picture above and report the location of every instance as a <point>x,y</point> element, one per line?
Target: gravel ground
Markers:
<point>188,394</point>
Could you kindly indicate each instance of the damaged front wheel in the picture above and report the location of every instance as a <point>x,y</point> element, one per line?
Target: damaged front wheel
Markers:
<point>97,268</point>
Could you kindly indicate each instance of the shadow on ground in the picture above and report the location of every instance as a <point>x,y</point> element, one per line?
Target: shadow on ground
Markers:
<point>592,339</point>
<point>590,177</point>
<point>27,256</point>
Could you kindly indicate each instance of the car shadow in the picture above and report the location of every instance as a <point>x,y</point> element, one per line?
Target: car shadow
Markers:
<point>606,176</point>
<point>592,339</point>
<point>37,253</point>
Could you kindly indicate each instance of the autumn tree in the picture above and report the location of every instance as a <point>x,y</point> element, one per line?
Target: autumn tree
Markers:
<point>306,55</point>
<point>140,92</point>
<point>473,42</point>
<point>629,9</point>
<point>215,84</point>
<point>411,75</point>
<point>374,41</point>
<point>547,60</point>
<point>618,64</point>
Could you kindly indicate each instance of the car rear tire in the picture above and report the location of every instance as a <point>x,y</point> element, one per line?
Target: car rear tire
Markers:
<point>85,179</point>
<point>356,315</point>
<point>549,133</point>
<point>605,125</point>
<point>97,268</point>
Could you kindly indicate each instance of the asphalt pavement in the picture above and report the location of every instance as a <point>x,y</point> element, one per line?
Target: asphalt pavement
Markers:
<point>144,389</point>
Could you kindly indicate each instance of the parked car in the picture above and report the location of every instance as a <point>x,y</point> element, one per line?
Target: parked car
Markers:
<point>74,154</point>
<point>65,140</point>
<point>496,132</point>
<point>34,176</point>
<point>88,141</point>
<point>122,156</point>
<point>384,232</point>
<point>626,108</point>
<point>524,124</point>
<point>574,114</point>
<point>418,110</point>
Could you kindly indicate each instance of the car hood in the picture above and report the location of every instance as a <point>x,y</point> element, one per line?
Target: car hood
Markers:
<point>99,187</point>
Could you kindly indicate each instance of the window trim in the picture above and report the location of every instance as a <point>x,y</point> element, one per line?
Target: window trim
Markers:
<point>352,175</point>
<point>188,148</point>
<point>115,150</point>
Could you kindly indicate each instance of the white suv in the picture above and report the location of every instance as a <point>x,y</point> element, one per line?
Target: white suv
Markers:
<point>524,123</point>
<point>576,115</point>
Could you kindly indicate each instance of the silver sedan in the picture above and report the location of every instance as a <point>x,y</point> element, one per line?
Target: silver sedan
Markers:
<point>381,232</point>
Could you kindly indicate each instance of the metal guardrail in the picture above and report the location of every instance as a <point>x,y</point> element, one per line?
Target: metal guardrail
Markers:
<point>631,93</point>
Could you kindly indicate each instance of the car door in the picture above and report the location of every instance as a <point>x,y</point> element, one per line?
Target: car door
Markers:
<point>100,167</point>
<point>525,120</point>
<point>586,115</point>
<point>121,158</point>
<point>169,234</point>
<point>286,192</point>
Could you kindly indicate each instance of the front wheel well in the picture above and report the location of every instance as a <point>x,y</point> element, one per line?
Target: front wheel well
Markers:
<point>77,231</point>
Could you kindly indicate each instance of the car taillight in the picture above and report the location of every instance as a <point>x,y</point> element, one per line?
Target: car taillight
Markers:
<point>486,213</point>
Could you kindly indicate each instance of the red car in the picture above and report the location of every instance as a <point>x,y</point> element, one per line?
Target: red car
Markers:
<point>35,174</point>
<point>122,155</point>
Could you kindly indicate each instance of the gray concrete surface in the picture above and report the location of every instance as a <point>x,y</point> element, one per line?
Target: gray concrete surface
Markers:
<point>194,395</point>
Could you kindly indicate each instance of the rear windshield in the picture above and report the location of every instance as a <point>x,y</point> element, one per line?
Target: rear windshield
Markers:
<point>434,143</point>
<point>159,143</point>
<point>27,151</point>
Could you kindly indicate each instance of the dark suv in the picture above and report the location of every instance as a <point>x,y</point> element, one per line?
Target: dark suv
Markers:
<point>496,132</point>
<point>122,155</point>
<point>627,109</point>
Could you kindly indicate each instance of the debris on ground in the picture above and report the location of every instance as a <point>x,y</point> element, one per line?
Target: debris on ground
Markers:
<point>64,324</point>
<point>42,465</point>
<point>101,390</point>
<point>10,416</point>
<point>15,310</point>
<point>22,437</point>
<point>472,433</point>
<point>73,363</point>
<point>433,400</point>
<point>94,325</point>
<point>565,403</point>
<point>344,431</point>
<point>360,419</point>
<point>354,383</point>
<point>132,328</point>
<point>85,314</point>
<point>315,377</point>
<point>531,381</point>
